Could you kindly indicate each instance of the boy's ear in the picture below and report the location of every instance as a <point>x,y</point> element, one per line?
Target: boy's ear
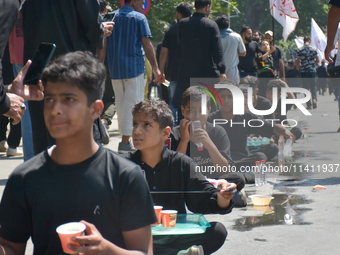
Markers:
<point>166,133</point>
<point>97,109</point>
<point>182,108</point>
<point>256,91</point>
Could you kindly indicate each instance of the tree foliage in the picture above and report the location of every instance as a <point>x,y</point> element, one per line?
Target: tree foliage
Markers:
<point>254,13</point>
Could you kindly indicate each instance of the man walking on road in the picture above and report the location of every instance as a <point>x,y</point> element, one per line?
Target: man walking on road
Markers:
<point>307,58</point>
<point>126,46</point>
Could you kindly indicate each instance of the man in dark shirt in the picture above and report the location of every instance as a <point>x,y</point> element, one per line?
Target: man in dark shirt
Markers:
<point>71,26</point>
<point>322,80</point>
<point>247,64</point>
<point>171,51</point>
<point>306,60</point>
<point>174,182</point>
<point>11,103</point>
<point>201,49</point>
<point>276,52</point>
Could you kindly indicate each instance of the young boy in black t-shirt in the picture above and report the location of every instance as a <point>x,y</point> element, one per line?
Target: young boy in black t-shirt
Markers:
<point>76,179</point>
<point>173,180</point>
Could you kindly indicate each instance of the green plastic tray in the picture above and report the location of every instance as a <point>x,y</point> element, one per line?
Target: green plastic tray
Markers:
<point>185,224</point>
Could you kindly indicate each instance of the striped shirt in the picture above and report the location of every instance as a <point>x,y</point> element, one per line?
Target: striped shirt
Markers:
<point>125,53</point>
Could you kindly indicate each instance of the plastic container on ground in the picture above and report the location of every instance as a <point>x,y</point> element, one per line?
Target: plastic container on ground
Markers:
<point>280,156</point>
<point>305,138</point>
<point>258,174</point>
<point>288,147</point>
<point>264,171</point>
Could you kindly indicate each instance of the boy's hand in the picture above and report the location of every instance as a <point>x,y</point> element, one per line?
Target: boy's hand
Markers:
<point>184,127</point>
<point>92,243</point>
<point>225,195</point>
<point>200,135</point>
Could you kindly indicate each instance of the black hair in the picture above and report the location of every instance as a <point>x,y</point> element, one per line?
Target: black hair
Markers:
<point>276,83</point>
<point>159,110</point>
<point>222,21</point>
<point>200,4</point>
<point>194,93</point>
<point>257,31</point>
<point>252,81</point>
<point>102,4</point>
<point>226,81</point>
<point>306,39</point>
<point>80,69</point>
<point>291,62</point>
<point>244,29</point>
<point>185,9</point>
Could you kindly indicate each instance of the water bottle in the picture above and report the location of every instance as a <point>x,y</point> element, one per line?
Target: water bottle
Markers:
<point>287,150</point>
<point>196,125</point>
<point>258,173</point>
<point>249,142</point>
<point>305,136</point>
<point>280,155</point>
<point>264,171</point>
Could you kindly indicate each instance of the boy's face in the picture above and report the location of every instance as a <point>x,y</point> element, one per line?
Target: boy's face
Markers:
<point>146,133</point>
<point>193,111</point>
<point>66,112</point>
<point>227,100</point>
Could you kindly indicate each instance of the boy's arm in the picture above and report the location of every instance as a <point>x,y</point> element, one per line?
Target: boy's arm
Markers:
<point>185,136</point>
<point>10,248</point>
<point>217,158</point>
<point>138,241</point>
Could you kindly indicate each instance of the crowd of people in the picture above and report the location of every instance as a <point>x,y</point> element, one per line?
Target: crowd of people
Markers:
<point>99,68</point>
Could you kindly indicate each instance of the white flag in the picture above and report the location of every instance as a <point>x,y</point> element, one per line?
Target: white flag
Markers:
<point>299,41</point>
<point>285,13</point>
<point>319,40</point>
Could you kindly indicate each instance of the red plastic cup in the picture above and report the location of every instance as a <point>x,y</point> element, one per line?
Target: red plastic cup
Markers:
<point>169,218</point>
<point>158,209</point>
<point>67,231</point>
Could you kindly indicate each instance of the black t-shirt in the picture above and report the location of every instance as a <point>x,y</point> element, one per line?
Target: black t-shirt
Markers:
<point>264,104</point>
<point>265,66</point>
<point>238,133</point>
<point>293,78</point>
<point>277,55</point>
<point>170,42</point>
<point>335,3</point>
<point>248,63</point>
<point>105,189</point>
<point>176,172</point>
<point>202,158</point>
<point>321,72</point>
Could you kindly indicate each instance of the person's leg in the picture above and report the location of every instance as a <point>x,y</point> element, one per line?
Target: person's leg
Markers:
<point>3,130</point>
<point>13,139</point>
<point>251,159</point>
<point>26,127</point>
<point>313,89</point>
<point>213,238</point>
<point>306,85</point>
<point>270,150</point>
<point>134,93</point>
<point>118,88</point>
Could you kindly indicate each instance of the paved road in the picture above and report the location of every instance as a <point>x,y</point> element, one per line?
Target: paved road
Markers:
<point>254,230</point>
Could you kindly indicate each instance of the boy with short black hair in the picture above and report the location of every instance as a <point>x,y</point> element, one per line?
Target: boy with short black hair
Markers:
<point>173,181</point>
<point>76,179</point>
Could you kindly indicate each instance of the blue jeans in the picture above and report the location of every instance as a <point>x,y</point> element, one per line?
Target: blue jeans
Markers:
<point>244,74</point>
<point>26,128</point>
<point>172,87</point>
<point>309,82</point>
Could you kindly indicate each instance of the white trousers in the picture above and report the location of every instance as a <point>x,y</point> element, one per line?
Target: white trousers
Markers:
<point>233,74</point>
<point>128,92</point>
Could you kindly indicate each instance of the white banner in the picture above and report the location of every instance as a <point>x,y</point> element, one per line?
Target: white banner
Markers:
<point>285,13</point>
<point>319,40</point>
<point>299,42</point>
